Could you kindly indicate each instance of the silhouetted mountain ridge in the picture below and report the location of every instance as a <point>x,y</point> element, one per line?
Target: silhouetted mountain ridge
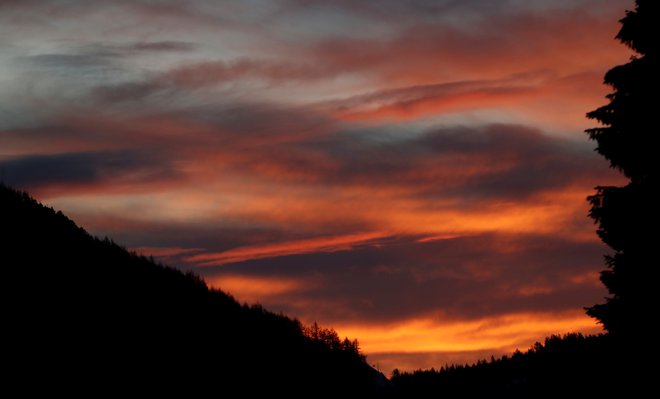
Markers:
<point>86,312</point>
<point>593,366</point>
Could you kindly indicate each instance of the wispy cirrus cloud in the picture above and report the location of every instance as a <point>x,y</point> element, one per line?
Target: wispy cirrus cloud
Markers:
<point>268,251</point>
<point>209,74</point>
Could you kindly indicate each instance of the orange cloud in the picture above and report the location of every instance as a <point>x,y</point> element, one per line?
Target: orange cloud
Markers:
<point>321,244</point>
<point>255,289</point>
<point>533,98</point>
<point>492,46</point>
<point>432,334</point>
<point>397,105</point>
<point>541,214</point>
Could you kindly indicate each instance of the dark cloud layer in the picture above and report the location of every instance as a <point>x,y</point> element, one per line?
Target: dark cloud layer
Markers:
<point>85,168</point>
<point>468,277</point>
<point>167,45</point>
<point>73,61</point>
<point>471,163</point>
<point>495,161</point>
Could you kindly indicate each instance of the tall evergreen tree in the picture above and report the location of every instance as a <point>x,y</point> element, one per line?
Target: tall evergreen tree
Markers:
<point>627,216</point>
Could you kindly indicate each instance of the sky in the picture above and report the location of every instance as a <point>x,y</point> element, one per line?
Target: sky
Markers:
<point>413,174</point>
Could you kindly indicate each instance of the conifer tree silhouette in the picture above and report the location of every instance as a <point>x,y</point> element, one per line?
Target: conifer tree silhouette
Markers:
<point>627,216</point>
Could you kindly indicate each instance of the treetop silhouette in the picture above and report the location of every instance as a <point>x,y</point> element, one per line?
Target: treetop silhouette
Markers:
<point>627,216</point>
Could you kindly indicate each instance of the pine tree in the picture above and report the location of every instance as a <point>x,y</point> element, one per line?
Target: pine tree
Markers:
<point>627,216</point>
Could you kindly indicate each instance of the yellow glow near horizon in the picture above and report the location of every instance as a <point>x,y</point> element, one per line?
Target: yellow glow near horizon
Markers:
<point>434,335</point>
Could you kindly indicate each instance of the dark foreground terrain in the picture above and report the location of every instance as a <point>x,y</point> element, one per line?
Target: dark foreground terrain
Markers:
<point>84,316</point>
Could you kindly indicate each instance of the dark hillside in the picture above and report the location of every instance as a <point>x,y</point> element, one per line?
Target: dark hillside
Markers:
<point>572,366</point>
<point>84,312</point>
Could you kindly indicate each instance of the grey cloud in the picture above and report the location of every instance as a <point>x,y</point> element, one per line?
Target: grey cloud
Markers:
<point>127,91</point>
<point>434,9</point>
<point>168,45</point>
<point>69,61</point>
<point>208,74</point>
<point>84,168</point>
<point>100,55</point>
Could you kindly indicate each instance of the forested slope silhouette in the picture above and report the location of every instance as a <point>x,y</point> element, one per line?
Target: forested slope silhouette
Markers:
<point>573,365</point>
<point>84,312</point>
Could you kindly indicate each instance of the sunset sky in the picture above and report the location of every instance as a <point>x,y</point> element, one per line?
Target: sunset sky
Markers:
<point>410,173</point>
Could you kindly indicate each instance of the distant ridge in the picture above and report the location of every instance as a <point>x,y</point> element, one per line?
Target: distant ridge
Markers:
<point>84,315</point>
